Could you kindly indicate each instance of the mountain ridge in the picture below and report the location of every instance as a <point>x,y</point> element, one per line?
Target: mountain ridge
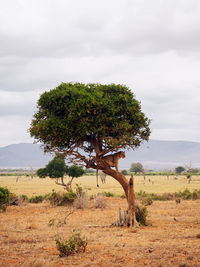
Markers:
<point>155,154</point>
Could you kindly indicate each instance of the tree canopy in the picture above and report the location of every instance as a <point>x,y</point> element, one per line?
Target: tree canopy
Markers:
<point>136,167</point>
<point>75,171</point>
<point>95,118</point>
<point>56,168</point>
<point>179,169</point>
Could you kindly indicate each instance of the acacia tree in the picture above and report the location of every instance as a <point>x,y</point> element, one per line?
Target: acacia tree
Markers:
<point>56,168</point>
<point>74,171</point>
<point>136,167</point>
<point>85,122</point>
<point>179,169</point>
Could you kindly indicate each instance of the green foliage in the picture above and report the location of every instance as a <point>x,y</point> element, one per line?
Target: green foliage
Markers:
<point>136,167</point>
<point>179,169</point>
<point>36,199</point>
<point>62,199</point>
<point>56,168</point>
<point>194,171</point>
<point>73,114</point>
<point>75,171</point>
<point>4,198</point>
<point>186,195</point>
<point>42,172</point>
<point>74,244</point>
<point>141,215</point>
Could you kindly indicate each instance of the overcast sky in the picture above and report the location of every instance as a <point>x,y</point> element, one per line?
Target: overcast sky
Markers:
<point>153,47</point>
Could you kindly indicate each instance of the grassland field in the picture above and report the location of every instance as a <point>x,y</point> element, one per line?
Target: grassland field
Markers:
<point>152,184</point>
<point>171,238</point>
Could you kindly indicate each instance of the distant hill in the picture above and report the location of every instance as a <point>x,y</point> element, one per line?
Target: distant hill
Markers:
<point>164,155</point>
<point>25,155</point>
<point>153,155</point>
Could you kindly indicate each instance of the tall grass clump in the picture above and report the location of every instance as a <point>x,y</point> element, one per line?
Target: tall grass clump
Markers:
<point>81,200</point>
<point>99,202</point>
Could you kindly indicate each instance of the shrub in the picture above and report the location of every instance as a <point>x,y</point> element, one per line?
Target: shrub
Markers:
<point>36,199</point>
<point>23,198</point>
<point>74,244</point>
<point>147,201</point>
<point>141,194</point>
<point>4,198</point>
<point>186,194</point>
<point>81,201</point>
<point>99,202</point>
<point>108,194</point>
<point>14,199</point>
<point>61,199</point>
<point>168,196</point>
<point>141,215</point>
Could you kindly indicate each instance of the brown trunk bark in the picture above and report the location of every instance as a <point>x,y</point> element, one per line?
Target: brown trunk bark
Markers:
<point>128,187</point>
<point>119,177</point>
<point>131,204</point>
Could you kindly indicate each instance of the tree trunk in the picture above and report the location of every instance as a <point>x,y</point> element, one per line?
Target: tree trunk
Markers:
<point>131,204</point>
<point>128,187</point>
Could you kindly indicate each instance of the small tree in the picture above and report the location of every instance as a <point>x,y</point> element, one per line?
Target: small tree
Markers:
<point>42,172</point>
<point>179,169</point>
<point>56,168</point>
<point>87,122</point>
<point>74,171</point>
<point>136,167</point>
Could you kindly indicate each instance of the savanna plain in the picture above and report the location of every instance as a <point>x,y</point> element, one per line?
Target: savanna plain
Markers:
<point>171,238</point>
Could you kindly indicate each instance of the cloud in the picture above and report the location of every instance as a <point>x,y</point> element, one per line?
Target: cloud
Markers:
<point>151,46</point>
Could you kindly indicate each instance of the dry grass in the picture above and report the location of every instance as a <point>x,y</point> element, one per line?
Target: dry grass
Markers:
<point>171,239</point>
<point>157,184</point>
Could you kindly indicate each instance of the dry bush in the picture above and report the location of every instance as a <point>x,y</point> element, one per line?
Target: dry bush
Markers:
<point>147,201</point>
<point>81,201</point>
<point>99,202</point>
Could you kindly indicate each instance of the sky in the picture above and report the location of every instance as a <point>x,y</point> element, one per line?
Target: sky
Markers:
<point>153,47</point>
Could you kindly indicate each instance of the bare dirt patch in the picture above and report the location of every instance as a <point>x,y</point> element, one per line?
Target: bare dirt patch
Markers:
<point>28,233</point>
